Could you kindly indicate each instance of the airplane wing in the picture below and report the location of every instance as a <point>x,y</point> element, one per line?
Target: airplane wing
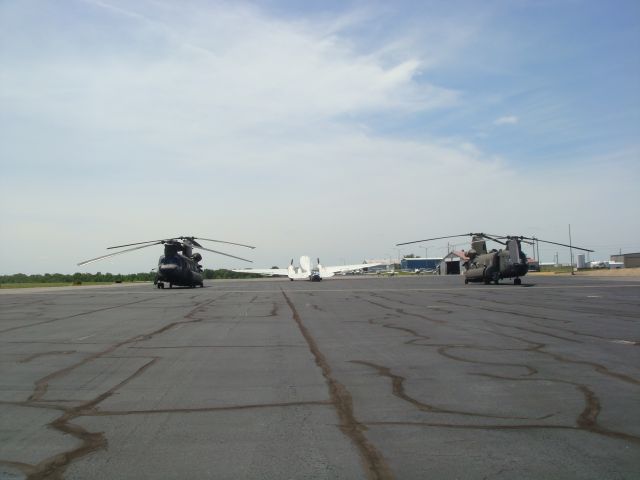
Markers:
<point>350,268</point>
<point>332,270</point>
<point>264,271</point>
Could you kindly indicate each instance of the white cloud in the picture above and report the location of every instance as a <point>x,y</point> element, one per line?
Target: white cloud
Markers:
<point>508,120</point>
<point>224,122</point>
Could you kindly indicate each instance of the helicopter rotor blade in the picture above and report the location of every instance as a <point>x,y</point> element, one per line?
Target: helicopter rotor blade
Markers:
<point>435,238</point>
<point>225,254</point>
<point>220,241</point>
<point>561,244</point>
<point>140,243</point>
<point>118,253</point>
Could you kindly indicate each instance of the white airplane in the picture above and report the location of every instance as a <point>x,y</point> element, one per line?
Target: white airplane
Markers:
<point>305,271</point>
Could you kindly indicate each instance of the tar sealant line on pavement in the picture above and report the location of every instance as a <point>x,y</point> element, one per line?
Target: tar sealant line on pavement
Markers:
<point>374,463</point>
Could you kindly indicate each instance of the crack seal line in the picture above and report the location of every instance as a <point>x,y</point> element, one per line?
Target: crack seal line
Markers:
<point>374,463</point>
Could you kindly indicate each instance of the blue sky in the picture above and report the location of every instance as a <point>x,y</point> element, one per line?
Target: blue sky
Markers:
<point>332,129</point>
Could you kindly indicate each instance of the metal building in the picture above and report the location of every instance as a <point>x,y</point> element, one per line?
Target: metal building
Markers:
<point>629,260</point>
<point>452,264</point>
<point>417,263</point>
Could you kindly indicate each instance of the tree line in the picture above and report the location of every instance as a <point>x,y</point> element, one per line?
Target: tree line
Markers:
<point>79,277</point>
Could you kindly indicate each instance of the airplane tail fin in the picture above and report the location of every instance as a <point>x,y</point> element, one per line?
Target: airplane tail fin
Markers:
<point>324,273</point>
<point>305,264</point>
<point>296,273</point>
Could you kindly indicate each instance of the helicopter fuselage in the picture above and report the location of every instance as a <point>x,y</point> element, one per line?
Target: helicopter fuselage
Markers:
<point>487,267</point>
<point>498,264</point>
<point>179,264</point>
<point>180,270</point>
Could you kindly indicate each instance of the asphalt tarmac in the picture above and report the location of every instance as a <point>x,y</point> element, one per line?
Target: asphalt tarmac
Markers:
<point>350,378</point>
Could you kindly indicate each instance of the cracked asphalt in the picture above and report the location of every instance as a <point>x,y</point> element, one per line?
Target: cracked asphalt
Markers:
<point>371,378</point>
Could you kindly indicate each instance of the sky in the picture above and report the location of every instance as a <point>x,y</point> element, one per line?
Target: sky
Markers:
<point>330,129</point>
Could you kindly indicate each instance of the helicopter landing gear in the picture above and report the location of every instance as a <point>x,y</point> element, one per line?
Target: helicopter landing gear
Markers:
<point>517,281</point>
<point>170,285</point>
<point>496,278</point>
<point>466,281</point>
<point>160,285</point>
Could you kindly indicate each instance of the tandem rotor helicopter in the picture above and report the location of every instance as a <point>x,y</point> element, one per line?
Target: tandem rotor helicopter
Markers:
<point>179,265</point>
<point>492,266</point>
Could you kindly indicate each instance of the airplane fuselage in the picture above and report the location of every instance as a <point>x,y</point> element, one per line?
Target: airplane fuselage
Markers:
<point>306,270</point>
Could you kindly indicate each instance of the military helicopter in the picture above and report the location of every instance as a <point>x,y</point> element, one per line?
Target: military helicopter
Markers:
<point>492,266</point>
<point>179,265</point>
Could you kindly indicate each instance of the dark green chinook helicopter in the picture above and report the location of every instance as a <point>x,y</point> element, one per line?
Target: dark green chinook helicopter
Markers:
<point>492,266</point>
<point>179,265</point>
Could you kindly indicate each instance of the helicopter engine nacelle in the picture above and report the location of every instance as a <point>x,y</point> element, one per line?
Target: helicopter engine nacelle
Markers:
<point>471,254</point>
<point>196,257</point>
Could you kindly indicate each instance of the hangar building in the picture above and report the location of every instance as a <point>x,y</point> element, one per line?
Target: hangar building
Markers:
<point>417,263</point>
<point>629,260</point>
<point>452,264</point>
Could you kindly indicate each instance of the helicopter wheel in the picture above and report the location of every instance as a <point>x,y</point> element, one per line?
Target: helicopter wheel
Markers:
<point>466,281</point>
<point>201,285</point>
<point>496,279</point>
<point>170,285</point>
<point>517,281</point>
<point>160,285</point>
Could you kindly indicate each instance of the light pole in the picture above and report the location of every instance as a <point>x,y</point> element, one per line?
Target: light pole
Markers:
<point>571,250</point>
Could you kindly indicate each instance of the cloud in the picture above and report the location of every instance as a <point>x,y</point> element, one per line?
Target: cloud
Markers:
<point>222,121</point>
<point>508,120</point>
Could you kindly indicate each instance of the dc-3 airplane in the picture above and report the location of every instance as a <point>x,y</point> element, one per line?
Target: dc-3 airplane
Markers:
<point>306,271</point>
